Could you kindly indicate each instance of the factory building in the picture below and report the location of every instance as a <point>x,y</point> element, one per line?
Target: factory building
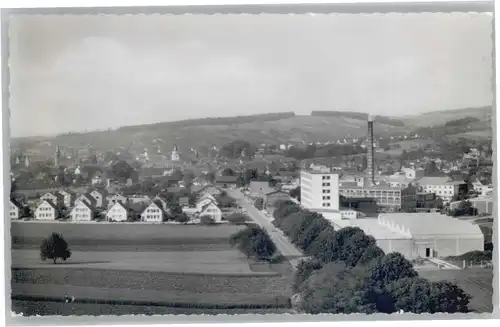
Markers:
<point>420,235</point>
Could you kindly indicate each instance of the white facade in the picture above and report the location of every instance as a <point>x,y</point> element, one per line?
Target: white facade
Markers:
<point>117,212</point>
<point>213,211</point>
<point>53,197</point>
<point>152,213</point>
<point>412,173</point>
<point>46,211</point>
<point>67,198</point>
<point>116,198</point>
<point>319,190</point>
<point>81,212</point>
<point>100,199</point>
<point>442,187</point>
<point>14,211</point>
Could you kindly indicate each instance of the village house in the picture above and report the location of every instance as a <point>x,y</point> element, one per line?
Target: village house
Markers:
<point>211,210</point>
<point>443,187</point>
<point>53,197</point>
<point>161,202</point>
<point>100,198</point>
<point>117,212</point>
<point>138,199</point>
<point>204,200</point>
<point>14,210</point>
<point>82,212</point>
<point>97,178</point>
<point>113,198</point>
<point>207,189</point>
<point>88,199</point>
<point>69,198</point>
<point>226,181</point>
<point>153,213</point>
<point>46,210</point>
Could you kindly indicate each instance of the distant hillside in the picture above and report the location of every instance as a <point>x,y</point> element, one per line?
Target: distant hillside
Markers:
<point>214,121</point>
<point>361,116</point>
<point>484,114</point>
<point>276,128</point>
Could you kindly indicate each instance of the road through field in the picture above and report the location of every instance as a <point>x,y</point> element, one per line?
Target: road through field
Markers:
<point>283,244</point>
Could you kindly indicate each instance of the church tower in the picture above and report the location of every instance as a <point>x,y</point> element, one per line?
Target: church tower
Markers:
<point>175,154</point>
<point>57,157</point>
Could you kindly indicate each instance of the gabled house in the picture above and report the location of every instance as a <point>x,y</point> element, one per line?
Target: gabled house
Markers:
<point>117,212</point>
<point>207,189</point>
<point>97,178</point>
<point>161,202</point>
<point>112,199</point>
<point>69,198</point>
<point>82,212</point>
<point>88,199</point>
<point>100,198</point>
<point>137,199</point>
<point>211,210</point>
<point>46,210</point>
<point>153,213</point>
<point>53,197</point>
<point>226,181</point>
<point>203,201</point>
<point>14,210</point>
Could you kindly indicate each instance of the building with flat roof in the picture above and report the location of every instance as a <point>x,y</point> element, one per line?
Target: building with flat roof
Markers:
<point>424,235</point>
<point>319,190</point>
<point>444,187</point>
<point>387,196</point>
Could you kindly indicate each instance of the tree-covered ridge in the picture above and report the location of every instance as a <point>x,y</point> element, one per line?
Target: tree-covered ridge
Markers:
<point>361,116</point>
<point>214,121</point>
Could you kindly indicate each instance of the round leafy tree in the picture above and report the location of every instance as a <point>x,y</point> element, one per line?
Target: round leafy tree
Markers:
<point>54,247</point>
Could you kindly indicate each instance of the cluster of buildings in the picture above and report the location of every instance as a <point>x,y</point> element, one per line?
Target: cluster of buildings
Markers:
<point>98,205</point>
<point>422,234</point>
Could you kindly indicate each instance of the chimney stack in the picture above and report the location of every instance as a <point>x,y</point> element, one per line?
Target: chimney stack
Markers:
<point>370,156</point>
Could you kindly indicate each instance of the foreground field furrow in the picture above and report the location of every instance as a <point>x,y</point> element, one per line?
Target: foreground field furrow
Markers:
<point>124,295</point>
<point>32,308</point>
<point>153,281</point>
<point>223,245</point>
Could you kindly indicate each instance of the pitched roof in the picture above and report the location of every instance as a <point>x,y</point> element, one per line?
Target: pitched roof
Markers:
<point>260,187</point>
<point>50,203</point>
<point>427,180</point>
<point>14,202</point>
<point>204,207</point>
<point>83,203</point>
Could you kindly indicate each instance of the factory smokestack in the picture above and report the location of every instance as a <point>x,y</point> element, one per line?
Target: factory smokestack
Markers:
<point>370,156</point>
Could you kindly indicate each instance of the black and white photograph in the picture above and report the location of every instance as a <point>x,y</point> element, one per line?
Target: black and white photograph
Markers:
<point>188,164</point>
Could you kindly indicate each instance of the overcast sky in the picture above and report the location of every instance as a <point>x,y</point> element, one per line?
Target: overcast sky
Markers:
<point>71,73</point>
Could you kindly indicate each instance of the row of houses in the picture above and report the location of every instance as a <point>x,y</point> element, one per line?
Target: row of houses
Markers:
<point>116,207</point>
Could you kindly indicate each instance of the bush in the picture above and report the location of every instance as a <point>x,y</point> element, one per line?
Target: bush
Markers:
<point>54,247</point>
<point>181,217</point>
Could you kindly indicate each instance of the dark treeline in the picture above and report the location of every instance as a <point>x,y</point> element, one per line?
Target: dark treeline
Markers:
<point>348,273</point>
<point>331,150</point>
<point>214,121</point>
<point>360,116</point>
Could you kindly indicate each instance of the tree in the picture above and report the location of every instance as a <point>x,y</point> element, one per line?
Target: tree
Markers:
<point>253,241</point>
<point>295,193</point>
<point>304,270</point>
<point>54,247</point>
<point>228,172</point>
<point>237,218</point>
<point>180,217</point>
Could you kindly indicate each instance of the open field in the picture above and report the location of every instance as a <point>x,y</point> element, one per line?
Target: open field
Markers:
<point>478,282</point>
<point>126,234</point>
<point>165,287</point>
<point>188,262</point>
<point>32,308</point>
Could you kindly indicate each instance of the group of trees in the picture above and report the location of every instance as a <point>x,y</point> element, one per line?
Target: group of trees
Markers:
<point>330,150</point>
<point>348,273</point>
<point>236,148</point>
<point>464,209</point>
<point>254,242</point>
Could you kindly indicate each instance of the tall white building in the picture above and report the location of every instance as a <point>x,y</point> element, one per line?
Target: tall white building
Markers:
<point>319,190</point>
